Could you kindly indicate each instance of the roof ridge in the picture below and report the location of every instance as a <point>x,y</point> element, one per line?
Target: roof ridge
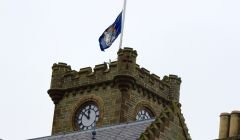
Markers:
<point>122,124</point>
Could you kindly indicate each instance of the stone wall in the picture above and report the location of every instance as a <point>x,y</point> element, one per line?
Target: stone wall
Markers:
<point>119,89</point>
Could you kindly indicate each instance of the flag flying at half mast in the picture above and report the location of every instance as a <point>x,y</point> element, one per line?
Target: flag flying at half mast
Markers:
<point>111,33</point>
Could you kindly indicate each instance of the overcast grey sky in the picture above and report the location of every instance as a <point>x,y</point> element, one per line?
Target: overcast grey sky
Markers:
<point>198,40</point>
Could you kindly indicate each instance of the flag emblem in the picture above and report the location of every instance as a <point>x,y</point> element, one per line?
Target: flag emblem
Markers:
<point>111,33</point>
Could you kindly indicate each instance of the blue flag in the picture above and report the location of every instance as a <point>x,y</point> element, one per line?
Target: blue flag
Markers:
<point>111,33</point>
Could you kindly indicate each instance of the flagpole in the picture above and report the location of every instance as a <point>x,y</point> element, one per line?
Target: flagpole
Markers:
<point>123,20</point>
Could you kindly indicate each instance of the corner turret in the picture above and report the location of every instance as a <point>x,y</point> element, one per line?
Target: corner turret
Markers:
<point>58,70</point>
<point>174,82</point>
<point>126,66</point>
<point>127,61</point>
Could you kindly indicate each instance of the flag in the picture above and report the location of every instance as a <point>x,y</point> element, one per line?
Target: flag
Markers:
<point>111,33</point>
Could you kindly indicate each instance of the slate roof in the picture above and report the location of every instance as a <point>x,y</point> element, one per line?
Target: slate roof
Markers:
<point>126,131</point>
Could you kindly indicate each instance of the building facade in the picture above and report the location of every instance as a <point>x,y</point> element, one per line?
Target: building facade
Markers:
<point>113,95</point>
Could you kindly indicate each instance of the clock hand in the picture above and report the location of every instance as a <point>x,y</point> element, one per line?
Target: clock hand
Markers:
<point>87,116</point>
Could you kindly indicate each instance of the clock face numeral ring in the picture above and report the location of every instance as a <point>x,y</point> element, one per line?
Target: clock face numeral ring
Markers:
<point>87,116</point>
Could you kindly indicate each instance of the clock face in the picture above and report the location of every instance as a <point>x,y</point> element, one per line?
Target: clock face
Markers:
<point>87,117</point>
<point>143,115</point>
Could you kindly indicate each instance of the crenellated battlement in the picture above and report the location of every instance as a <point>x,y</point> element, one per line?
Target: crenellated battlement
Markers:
<point>102,70</point>
<point>63,77</point>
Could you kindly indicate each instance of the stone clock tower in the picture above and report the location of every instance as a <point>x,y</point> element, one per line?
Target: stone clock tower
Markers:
<point>109,94</point>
